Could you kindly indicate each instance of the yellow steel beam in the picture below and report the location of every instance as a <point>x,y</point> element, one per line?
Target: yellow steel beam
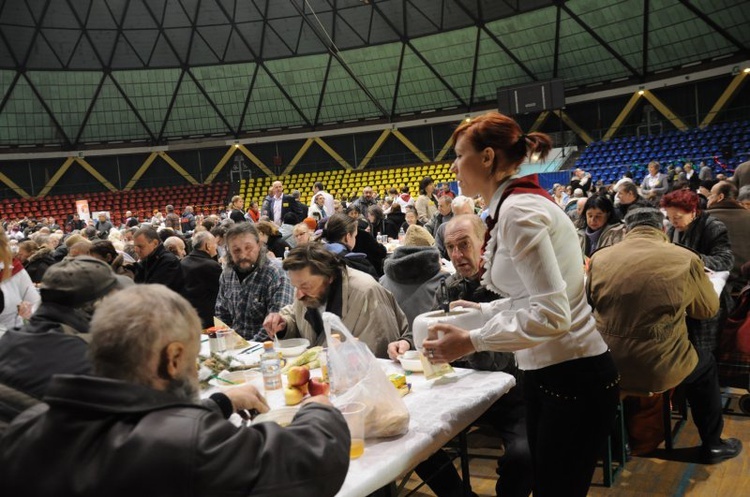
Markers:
<point>342,162</point>
<point>300,153</point>
<point>731,90</point>
<point>13,186</point>
<point>255,160</point>
<point>220,165</point>
<point>56,177</point>
<point>88,167</point>
<point>624,113</point>
<point>540,119</point>
<point>445,149</point>
<point>410,146</point>
<point>574,126</point>
<point>144,167</point>
<point>178,168</point>
<point>375,147</point>
<point>665,111</point>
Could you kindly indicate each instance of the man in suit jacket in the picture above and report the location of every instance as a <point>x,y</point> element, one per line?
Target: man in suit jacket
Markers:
<point>279,205</point>
<point>201,273</point>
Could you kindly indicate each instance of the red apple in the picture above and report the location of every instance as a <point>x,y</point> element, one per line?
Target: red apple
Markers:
<point>297,376</point>
<point>317,386</point>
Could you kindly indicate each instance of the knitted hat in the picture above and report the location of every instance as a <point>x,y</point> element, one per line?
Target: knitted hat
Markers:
<point>644,216</point>
<point>417,236</point>
<point>76,281</point>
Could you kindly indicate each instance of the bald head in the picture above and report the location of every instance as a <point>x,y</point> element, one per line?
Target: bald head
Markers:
<point>175,245</point>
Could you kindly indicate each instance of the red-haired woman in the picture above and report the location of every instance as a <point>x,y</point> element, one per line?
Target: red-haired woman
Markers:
<point>533,256</point>
<point>708,236</point>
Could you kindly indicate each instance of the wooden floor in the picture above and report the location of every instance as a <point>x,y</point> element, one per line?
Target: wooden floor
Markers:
<point>663,474</point>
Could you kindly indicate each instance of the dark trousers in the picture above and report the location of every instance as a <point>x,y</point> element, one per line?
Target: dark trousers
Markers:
<point>704,395</point>
<point>570,410</point>
<point>507,416</point>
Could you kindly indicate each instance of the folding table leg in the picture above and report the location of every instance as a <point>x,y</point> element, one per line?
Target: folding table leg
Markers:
<point>464,455</point>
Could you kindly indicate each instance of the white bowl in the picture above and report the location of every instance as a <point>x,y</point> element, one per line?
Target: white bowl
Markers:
<point>282,416</point>
<point>293,346</point>
<point>413,364</point>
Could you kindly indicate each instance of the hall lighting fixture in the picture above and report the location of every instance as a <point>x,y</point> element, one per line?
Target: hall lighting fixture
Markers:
<point>746,70</point>
<point>236,144</point>
<point>640,92</point>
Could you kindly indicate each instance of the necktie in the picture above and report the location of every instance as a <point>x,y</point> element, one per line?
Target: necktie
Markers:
<point>323,213</point>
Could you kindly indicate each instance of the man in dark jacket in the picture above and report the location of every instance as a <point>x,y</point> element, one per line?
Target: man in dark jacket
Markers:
<point>156,264</point>
<point>201,274</point>
<point>55,339</point>
<point>137,427</point>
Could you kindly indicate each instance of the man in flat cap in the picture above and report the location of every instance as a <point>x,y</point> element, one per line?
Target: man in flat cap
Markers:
<point>640,310</point>
<point>54,341</point>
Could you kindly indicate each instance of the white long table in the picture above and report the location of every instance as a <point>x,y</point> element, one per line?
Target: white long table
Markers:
<point>439,410</point>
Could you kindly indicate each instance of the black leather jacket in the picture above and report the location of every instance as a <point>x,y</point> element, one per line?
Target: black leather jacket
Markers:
<point>97,436</point>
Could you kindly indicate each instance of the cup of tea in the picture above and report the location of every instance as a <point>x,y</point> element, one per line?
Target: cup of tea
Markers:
<point>354,414</point>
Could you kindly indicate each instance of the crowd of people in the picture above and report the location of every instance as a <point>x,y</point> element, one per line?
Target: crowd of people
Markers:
<point>102,322</point>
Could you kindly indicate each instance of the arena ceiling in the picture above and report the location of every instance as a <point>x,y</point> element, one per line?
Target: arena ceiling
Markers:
<point>79,73</point>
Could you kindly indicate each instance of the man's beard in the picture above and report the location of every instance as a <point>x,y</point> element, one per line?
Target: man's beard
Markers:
<point>185,389</point>
<point>244,269</point>
<point>316,302</point>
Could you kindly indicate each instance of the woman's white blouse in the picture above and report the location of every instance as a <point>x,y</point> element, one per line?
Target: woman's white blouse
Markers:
<point>16,289</point>
<point>534,259</point>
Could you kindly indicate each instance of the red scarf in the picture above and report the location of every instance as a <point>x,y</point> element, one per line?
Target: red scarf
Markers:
<point>524,184</point>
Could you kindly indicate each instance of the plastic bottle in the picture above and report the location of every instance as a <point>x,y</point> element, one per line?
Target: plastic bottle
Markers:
<point>213,343</point>
<point>270,366</point>
<point>286,252</point>
<point>401,235</point>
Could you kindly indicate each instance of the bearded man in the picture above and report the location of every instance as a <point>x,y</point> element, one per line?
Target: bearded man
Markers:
<point>252,285</point>
<point>323,282</point>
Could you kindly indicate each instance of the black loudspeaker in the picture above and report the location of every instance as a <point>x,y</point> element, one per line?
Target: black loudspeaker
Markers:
<point>531,97</point>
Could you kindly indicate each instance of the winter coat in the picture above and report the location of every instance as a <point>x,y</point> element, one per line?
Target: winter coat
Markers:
<point>640,308</point>
<point>413,275</point>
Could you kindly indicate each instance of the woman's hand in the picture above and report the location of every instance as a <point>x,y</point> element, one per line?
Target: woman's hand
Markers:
<point>466,304</point>
<point>454,344</point>
<point>25,310</point>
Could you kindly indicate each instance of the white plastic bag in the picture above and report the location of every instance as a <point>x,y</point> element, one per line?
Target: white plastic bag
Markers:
<point>356,376</point>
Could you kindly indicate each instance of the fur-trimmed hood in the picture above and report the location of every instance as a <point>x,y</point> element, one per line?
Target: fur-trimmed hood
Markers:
<point>413,264</point>
<point>40,254</point>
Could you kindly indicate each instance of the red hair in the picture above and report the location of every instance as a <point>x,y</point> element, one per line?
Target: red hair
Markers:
<point>686,200</point>
<point>503,134</point>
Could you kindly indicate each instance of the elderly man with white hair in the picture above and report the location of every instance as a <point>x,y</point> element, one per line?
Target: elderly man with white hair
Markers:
<point>460,205</point>
<point>149,432</point>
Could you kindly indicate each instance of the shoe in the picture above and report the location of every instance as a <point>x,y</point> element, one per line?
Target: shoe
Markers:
<point>726,449</point>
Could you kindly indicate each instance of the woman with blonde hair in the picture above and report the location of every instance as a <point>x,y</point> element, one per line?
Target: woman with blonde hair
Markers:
<point>20,297</point>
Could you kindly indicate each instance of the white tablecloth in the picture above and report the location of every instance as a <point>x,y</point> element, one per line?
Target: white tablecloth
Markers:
<point>439,410</point>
